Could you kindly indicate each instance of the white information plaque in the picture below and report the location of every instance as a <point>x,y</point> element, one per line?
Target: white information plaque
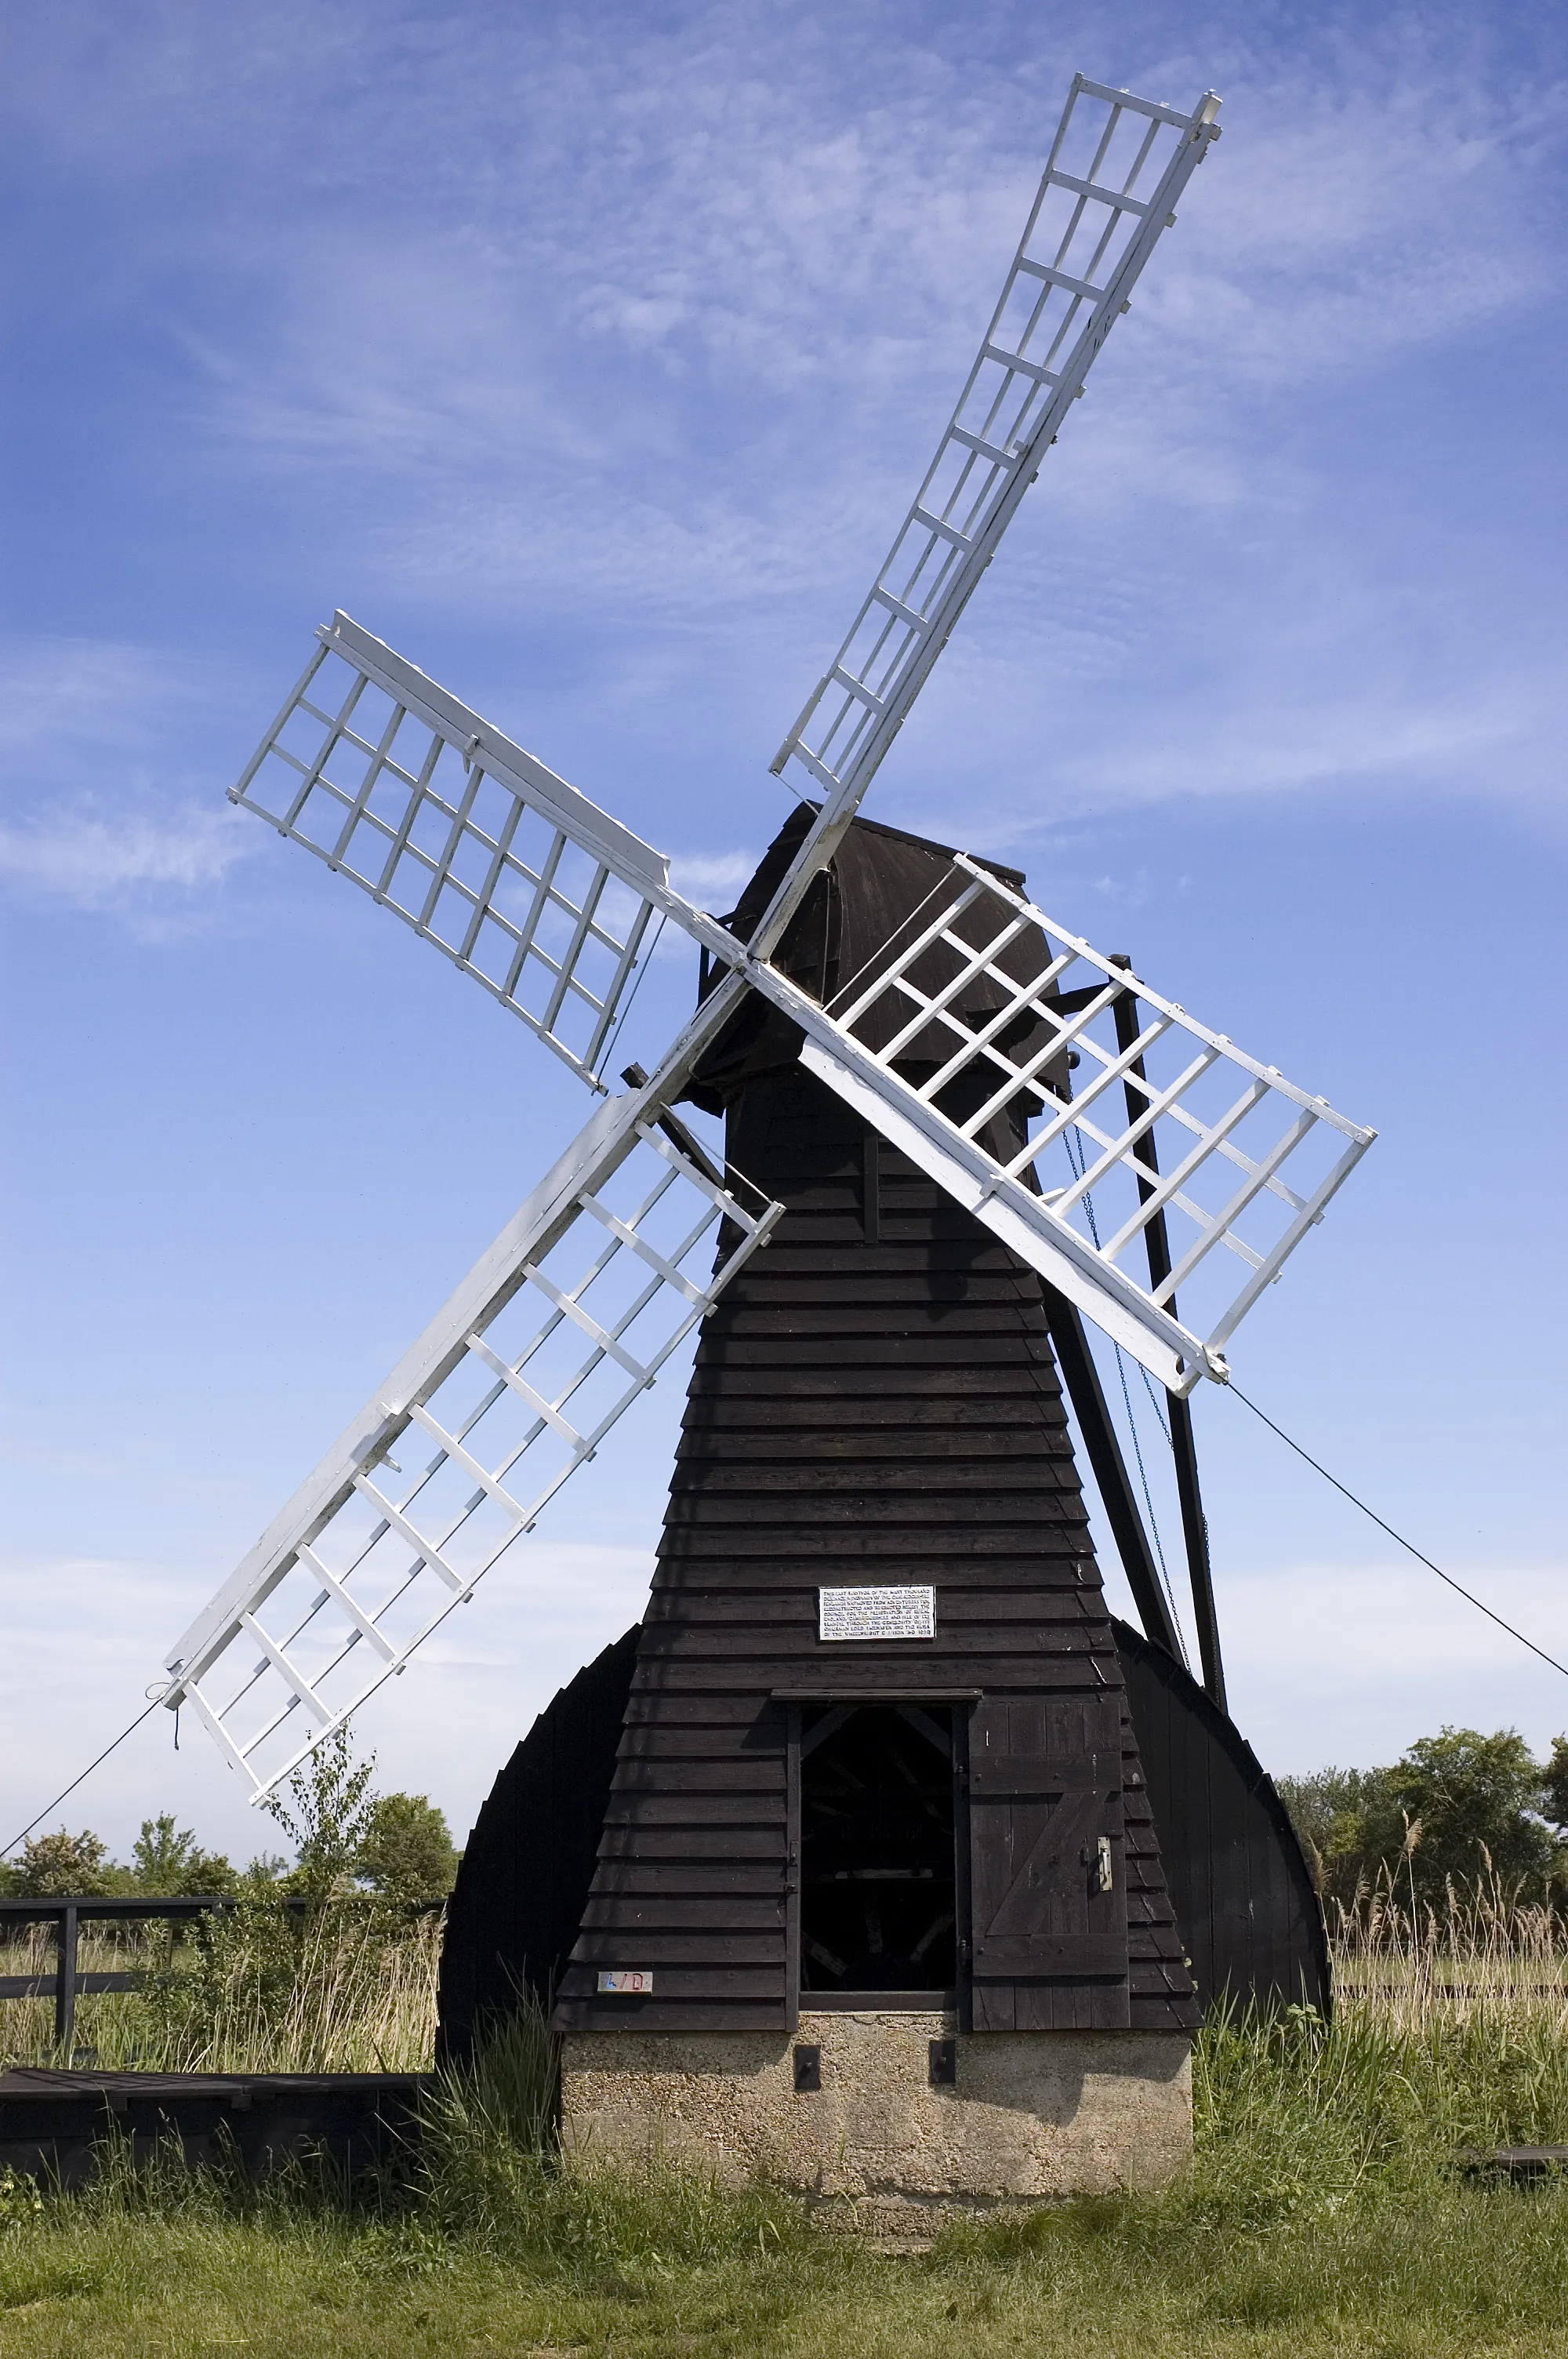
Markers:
<point>623,1982</point>
<point>876,1613</point>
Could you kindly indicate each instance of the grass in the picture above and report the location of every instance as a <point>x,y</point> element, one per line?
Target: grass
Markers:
<point>1328,2211</point>
<point>350,1988</point>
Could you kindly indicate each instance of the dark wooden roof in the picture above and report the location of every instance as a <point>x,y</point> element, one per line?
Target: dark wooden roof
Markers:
<point>881,890</point>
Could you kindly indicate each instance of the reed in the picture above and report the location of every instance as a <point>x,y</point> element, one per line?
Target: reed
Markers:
<point>350,1987</point>
<point>1408,1964</point>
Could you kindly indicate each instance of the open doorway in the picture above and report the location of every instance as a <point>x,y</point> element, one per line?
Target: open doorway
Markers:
<point>878,1863</point>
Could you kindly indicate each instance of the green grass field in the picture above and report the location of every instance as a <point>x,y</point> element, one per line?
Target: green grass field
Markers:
<point>656,2269</point>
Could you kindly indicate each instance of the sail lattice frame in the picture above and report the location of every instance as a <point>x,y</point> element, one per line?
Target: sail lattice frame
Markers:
<point>1175,1121</point>
<point>1089,233</point>
<point>518,879</point>
<point>568,1319</point>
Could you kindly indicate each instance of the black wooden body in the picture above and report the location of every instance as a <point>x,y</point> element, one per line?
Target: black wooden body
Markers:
<point>1245,1906</point>
<point>1250,1915</point>
<point>874,1399</point>
<point>1241,1890</point>
<point>526,1867</point>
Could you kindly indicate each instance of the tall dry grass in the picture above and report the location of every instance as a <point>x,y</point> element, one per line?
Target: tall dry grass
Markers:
<point>1405,1964</point>
<point>1448,2041</point>
<point>348,1988</point>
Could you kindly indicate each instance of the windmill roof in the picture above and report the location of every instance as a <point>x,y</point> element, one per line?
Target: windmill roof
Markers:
<point>879,884</point>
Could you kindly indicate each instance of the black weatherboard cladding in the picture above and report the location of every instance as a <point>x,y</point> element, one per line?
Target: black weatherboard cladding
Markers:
<point>874,1399</point>
<point>1245,1905</point>
<point>527,1865</point>
<point>1244,1896</point>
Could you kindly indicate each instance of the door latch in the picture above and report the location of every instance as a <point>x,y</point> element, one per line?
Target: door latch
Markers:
<point>1104,1878</point>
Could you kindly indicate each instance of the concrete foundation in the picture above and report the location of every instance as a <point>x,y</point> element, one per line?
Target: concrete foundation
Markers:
<point>1031,2115</point>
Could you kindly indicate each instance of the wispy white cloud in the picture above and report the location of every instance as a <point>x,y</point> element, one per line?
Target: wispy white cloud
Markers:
<point>801,290</point>
<point>656,342</point>
<point>63,699</point>
<point>97,861</point>
<point>713,879</point>
<point>89,732</point>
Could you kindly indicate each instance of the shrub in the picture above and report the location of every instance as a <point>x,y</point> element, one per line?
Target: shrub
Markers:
<point>1349,1824</point>
<point>55,1866</point>
<point>326,1811</point>
<point>168,1861</point>
<point>409,1853</point>
<point>1477,1800</point>
<point>1456,1809</point>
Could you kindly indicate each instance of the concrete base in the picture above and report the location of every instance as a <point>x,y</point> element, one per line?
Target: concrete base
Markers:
<point>1033,2113</point>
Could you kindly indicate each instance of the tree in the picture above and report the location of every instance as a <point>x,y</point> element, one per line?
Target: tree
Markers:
<point>407,1854</point>
<point>327,1816</point>
<point>167,1859</point>
<point>55,1867</point>
<point>1349,1824</point>
<point>1478,1799</point>
<point>1554,1786</point>
<point>1458,1806</point>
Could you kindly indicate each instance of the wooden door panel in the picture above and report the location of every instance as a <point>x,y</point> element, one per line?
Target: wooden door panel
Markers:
<point>1049,1941</point>
<point>1033,1871</point>
<point>1086,1955</point>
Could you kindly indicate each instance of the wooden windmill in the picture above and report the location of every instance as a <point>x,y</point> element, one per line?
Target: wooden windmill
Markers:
<point>877,1779</point>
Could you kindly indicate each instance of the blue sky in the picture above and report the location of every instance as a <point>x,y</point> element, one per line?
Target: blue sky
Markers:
<point>590,355</point>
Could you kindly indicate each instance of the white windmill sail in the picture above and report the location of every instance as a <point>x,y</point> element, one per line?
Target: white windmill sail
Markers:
<point>558,1328</point>
<point>513,874</point>
<point>1246,1161</point>
<point>548,902</point>
<point>1117,165</point>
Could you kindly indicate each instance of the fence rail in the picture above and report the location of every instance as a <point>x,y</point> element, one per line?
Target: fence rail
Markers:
<point>68,1915</point>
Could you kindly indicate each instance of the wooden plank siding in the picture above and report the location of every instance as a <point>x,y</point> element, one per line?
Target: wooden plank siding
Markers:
<point>1248,1910</point>
<point>528,1863</point>
<point>874,1399</point>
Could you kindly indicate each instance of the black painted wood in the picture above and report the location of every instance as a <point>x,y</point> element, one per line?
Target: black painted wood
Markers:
<point>54,2124</point>
<point>526,1867</point>
<point>1244,1909</point>
<point>875,1399</point>
<point>1050,1946</point>
<point>1248,1914</point>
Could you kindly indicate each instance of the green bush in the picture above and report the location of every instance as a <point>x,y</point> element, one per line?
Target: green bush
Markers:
<point>326,1810</point>
<point>166,1861</point>
<point>57,1866</point>
<point>407,1853</point>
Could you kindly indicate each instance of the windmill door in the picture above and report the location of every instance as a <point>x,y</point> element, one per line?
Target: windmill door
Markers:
<point>1048,1902</point>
